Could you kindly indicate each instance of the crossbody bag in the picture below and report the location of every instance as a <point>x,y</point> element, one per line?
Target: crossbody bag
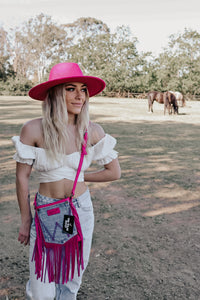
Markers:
<point>59,241</point>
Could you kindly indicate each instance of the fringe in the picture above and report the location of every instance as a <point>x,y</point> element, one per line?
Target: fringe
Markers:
<point>58,260</point>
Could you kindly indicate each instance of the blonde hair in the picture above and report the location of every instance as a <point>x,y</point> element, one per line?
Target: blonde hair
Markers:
<point>55,122</point>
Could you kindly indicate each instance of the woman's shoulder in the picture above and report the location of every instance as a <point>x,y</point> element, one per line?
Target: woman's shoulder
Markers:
<point>96,133</point>
<point>31,124</point>
<point>31,132</point>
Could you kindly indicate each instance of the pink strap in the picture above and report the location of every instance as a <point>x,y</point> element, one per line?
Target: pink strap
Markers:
<point>49,204</point>
<point>83,152</point>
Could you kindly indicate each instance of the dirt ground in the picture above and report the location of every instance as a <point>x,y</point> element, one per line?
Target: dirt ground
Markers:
<point>146,242</point>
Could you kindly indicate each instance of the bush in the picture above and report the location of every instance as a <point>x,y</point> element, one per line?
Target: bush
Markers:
<point>15,86</point>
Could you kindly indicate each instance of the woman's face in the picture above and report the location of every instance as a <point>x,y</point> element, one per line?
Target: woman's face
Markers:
<point>75,97</point>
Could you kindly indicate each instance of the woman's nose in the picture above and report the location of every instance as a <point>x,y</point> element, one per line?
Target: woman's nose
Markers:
<point>78,94</point>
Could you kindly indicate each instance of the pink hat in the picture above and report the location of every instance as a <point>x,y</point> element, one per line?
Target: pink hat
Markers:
<point>67,72</point>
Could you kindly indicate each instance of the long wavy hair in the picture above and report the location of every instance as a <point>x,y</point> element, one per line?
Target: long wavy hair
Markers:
<point>55,122</point>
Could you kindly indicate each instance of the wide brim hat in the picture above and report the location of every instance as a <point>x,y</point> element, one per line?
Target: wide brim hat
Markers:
<point>63,73</point>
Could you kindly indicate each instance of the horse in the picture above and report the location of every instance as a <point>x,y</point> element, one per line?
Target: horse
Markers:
<point>158,96</point>
<point>170,102</point>
<point>179,97</point>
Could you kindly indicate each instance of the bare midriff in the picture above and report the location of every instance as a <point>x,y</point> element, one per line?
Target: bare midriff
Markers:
<point>61,189</point>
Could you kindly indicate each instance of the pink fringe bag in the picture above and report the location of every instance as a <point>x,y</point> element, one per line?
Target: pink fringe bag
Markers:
<point>59,239</point>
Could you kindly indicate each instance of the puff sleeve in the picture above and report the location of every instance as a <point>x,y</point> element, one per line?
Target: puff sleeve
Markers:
<point>103,151</point>
<point>24,153</point>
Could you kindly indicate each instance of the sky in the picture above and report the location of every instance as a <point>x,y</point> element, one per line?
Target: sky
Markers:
<point>151,21</point>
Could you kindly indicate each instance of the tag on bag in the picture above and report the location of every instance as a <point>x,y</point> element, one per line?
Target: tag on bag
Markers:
<point>68,224</point>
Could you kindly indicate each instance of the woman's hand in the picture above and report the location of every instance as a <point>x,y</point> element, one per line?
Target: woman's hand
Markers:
<point>24,232</point>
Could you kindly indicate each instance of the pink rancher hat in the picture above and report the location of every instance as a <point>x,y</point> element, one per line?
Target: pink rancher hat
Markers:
<point>67,72</point>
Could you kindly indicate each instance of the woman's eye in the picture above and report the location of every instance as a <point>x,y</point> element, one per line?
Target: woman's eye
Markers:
<point>71,89</point>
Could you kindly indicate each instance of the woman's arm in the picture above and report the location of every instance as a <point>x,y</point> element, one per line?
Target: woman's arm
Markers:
<point>111,172</point>
<point>23,172</point>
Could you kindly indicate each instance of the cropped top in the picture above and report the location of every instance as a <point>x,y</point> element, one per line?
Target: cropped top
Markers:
<point>53,170</point>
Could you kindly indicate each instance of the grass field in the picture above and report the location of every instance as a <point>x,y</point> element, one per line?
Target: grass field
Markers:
<point>146,241</point>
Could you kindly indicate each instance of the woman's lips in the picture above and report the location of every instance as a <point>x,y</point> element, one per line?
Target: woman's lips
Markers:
<point>77,104</point>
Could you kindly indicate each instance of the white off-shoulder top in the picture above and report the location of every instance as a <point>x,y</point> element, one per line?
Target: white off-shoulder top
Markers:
<point>53,170</point>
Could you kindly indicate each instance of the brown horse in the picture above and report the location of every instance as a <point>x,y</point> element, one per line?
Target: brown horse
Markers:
<point>170,102</point>
<point>158,96</point>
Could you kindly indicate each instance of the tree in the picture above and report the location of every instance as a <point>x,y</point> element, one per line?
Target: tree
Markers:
<point>5,66</point>
<point>113,57</point>
<point>85,27</point>
<point>179,64</point>
<point>36,44</point>
<point>40,43</point>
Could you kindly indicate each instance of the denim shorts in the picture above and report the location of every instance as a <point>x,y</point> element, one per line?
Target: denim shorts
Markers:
<point>38,290</point>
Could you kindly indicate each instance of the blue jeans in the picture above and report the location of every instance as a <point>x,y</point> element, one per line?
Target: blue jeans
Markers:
<point>37,290</point>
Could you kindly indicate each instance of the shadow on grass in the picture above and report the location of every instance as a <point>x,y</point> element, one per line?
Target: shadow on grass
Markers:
<point>159,161</point>
<point>150,213</point>
<point>160,164</point>
<point>146,238</point>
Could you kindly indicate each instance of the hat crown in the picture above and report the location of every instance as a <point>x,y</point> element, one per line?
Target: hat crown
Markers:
<point>64,70</point>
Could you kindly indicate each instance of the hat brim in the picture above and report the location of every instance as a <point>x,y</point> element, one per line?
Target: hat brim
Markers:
<point>94,85</point>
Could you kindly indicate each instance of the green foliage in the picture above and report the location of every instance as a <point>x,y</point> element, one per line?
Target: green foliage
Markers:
<point>85,27</point>
<point>36,44</point>
<point>40,43</point>
<point>113,57</point>
<point>178,66</point>
<point>15,86</point>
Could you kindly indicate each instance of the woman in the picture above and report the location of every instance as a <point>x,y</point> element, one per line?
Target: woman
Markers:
<point>52,146</point>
